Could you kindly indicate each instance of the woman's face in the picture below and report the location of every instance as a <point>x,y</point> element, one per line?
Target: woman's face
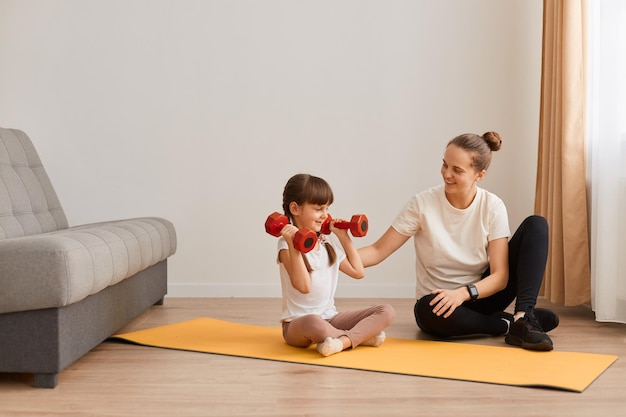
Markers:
<point>459,176</point>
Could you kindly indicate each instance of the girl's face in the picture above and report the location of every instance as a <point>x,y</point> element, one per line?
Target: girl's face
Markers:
<point>459,176</point>
<point>309,215</point>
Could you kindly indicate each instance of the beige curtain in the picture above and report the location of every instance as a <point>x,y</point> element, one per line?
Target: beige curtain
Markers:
<point>561,195</point>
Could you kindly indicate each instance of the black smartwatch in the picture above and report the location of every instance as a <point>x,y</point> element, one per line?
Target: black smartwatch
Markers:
<point>473,292</point>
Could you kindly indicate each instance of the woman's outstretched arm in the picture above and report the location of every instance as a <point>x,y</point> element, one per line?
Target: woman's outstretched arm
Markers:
<point>378,251</point>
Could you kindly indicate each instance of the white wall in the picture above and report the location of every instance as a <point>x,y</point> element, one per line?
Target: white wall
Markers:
<point>199,111</point>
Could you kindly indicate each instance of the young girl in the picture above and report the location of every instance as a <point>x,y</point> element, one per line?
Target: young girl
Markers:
<point>309,280</point>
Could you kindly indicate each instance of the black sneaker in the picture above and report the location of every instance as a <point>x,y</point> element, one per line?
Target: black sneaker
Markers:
<point>527,333</point>
<point>546,318</point>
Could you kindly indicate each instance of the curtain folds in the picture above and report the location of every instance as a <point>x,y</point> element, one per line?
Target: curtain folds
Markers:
<point>607,162</point>
<point>561,195</point>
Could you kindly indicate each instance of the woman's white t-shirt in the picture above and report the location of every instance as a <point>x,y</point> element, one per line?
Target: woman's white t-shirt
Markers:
<point>321,298</point>
<point>450,243</point>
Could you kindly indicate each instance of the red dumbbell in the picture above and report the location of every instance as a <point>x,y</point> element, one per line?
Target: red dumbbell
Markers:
<point>304,240</point>
<point>358,225</point>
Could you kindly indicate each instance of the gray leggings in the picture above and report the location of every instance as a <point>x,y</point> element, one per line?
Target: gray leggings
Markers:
<point>357,325</point>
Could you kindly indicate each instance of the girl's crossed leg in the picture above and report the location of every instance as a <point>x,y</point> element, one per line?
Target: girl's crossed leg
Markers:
<point>346,329</point>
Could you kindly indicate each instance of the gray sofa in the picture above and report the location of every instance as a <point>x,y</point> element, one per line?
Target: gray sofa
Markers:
<point>64,290</point>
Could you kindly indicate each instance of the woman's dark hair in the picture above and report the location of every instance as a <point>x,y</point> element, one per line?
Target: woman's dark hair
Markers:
<point>308,189</point>
<point>480,147</point>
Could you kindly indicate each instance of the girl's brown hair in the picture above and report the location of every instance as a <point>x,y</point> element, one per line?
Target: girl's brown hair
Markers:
<point>308,189</point>
<point>481,147</point>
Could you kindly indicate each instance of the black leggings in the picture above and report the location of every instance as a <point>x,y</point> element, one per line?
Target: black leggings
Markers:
<point>528,253</point>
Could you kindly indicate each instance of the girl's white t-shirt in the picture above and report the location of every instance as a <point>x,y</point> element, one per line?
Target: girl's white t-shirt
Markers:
<point>450,243</point>
<point>321,299</point>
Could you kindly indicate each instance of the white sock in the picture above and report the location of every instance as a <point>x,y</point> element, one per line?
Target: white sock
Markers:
<point>329,346</point>
<point>375,340</point>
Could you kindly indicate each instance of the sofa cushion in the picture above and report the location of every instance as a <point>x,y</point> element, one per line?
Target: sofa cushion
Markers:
<point>59,268</point>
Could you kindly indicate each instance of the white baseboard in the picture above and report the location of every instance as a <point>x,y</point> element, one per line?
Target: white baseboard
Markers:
<point>246,291</point>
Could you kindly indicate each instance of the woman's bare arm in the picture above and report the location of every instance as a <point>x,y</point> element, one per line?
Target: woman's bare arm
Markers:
<point>378,251</point>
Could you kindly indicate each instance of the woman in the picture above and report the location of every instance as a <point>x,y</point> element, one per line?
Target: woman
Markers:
<point>468,272</point>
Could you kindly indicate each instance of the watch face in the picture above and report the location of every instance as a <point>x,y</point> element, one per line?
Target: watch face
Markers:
<point>472,291</point>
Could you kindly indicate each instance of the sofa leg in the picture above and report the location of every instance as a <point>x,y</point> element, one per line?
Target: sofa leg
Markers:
<point>46,380</point>
<point>159,303</point>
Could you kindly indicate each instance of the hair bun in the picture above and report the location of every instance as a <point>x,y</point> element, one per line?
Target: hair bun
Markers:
<point>493,140</point>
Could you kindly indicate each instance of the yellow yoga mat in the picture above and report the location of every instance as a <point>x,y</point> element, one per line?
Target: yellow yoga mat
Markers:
<point>451,360</point>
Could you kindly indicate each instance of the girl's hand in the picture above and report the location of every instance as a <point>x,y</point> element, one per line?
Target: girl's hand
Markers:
<point>288,232</point>
<point>446,301</point>
<point>336,230</point>
<point>293,261</point>
<point>352,266</point>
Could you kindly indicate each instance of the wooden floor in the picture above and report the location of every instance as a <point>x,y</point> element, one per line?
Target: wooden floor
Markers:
<point>118,379</point>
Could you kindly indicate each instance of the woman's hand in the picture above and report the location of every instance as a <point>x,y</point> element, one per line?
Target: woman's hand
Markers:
<point>446,301</point>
